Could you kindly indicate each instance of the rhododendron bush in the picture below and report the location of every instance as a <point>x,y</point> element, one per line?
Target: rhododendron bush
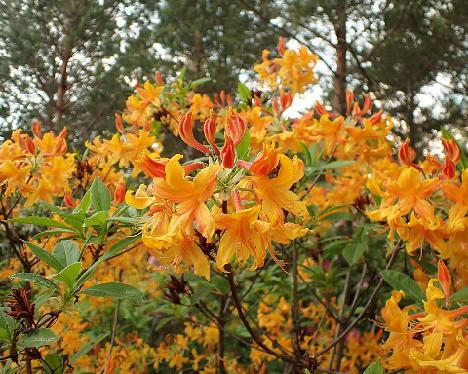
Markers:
<point>271,243</point>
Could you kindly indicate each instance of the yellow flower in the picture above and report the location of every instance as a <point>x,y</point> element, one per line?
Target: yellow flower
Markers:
<point>244,236</point>
<point>189,196</point>
<point>274,193</point>
<point>411,192</point>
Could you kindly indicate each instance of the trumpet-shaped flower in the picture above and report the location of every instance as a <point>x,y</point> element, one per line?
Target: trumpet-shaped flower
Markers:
<point>274,193</point>
<point>189,196</point>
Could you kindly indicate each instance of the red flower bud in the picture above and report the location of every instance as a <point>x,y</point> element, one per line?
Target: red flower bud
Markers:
<point>449,168</point>
<point>159,79</point>
<point>257,101</point>
<point>118,122</point>
<point>228,152</point>
<point>61,147</point>
<point>63,133</point>
<point>285,100</point>
<point>406,154</point>
<point>451,150</point>
<point>119,193</point>
<point>320,109</point>
<point>209,128</point>
<point>281,46</point>
<point>36,129</point>
<point>68,200</point>
<point>235,127</point>
<point>367,104</point>
<point>349,101</point>
<point>151,168</point>
<point>222,96</point>
<point>376,117</point>
<point>186,133</point>
<point>443,275</point>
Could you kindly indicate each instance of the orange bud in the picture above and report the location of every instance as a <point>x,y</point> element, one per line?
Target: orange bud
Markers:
<point>376,117</point>
<point>222,96</point>
<point>449,168</point>
<point>443,275</point>
<point>209,128</point>
<point>367,104</point>
<point>68,200</point>
<point>433,162</point>
<point>119,193</point>
<point>118,122</point>
<point>285,100</point>
<point>30,145</point>
<point>235,127</point>
<point>193,166</point>
<point>349,101</point>
<point>451,150</point>
<point>36,129</point>
<point>61,147</point>
<point>228,152</point>
<point>186,133</point>
<point>406,154</point>
<point>257,101</point>
<point>275,106</point>
<point>26,144</point>
<point>63,133</point>
<point>229,100</point>
<point>151,168</point>
<point>356,110</point>
<point>320,109</point>
<point>281,46</point>
<point>159,79</point>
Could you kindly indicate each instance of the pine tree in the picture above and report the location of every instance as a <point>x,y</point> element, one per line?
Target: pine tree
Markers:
<point>70,63</point>
<point>215,38</point>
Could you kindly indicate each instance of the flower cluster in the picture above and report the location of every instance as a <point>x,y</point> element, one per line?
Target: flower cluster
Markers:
<point>228,201</point>
<point>432,340</point>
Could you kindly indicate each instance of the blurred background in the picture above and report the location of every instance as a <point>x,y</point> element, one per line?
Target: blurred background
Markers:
<point>74,62</point>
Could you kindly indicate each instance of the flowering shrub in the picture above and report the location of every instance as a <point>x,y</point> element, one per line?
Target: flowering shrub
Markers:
<point>270,244</point>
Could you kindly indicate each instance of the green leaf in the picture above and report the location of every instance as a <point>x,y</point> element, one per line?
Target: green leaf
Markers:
<point>69,274</point>
<point>115,290</point>
<point>374,368</point>
<point>123,219</point>
<point>66,252</point>
<point>334,248</point>
<point>401,282</point>
<point>53,364</point>
<point>37,338</point>
<point>31,277</point>
<point>337,164</point>
<point>85,201</point>
<point>74,219</point>
<point>97,219</point>
<point>242,149</point>
<point>54,232</point>
<point>460,296</point>
<point>353,252</point>
<point>244,92</point>
<point>117,247</point>
<point>113,250</point>
<point>199,82</point>
<point>7,322</point>
<point>100,196</point>
<point>307,155</point>
<point>41,221</point>
<point>87,347</point>
<point>45,256</point>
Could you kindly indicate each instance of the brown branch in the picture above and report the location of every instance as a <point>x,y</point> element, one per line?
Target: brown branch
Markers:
<point>365,308</point>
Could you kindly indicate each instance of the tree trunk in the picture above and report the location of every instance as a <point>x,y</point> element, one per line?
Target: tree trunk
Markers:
<point>340,74</point>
